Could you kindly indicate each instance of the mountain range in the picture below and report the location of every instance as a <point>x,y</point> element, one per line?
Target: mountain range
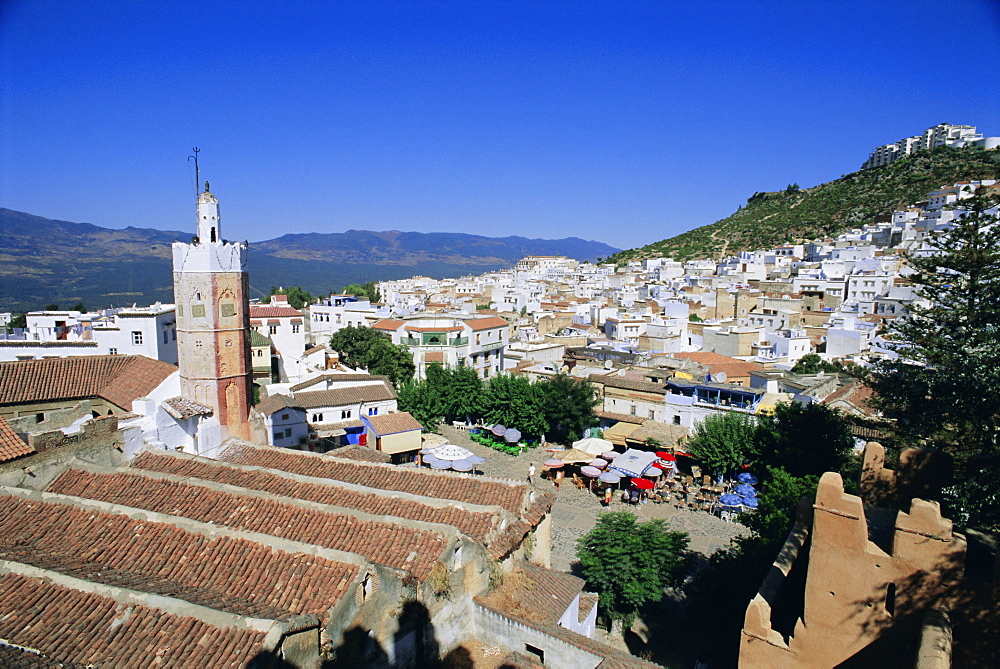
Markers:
<point>45,261</point>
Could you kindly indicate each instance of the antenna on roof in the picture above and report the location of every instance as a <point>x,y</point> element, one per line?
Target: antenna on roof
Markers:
<point>196,172</point>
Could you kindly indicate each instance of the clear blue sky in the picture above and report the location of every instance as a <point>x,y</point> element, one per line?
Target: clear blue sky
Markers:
<point>624,122</point>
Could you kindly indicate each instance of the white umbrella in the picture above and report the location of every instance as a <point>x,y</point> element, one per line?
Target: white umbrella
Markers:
<point>594,446</point>
<point>451,452</point>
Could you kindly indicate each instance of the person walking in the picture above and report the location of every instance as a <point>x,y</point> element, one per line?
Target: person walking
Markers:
<point>531,472</point>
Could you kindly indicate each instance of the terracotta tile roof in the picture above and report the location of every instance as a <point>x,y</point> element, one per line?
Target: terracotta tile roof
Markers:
<point>360,453</point>
<point>314,349</point>
<point>620,417</point>
<point>475,524</point>
<point>66,625</point>
<point>721,363</point>
<point>118,379</point>
<point>248,579</point>
<point>855,395</point>
<point>480,490</point>
<point>629,384</point>
<point>179,407</point>
<point>11,445</point>
<point>442,328</point>
<point>384,543</point>
<point>337,378</point>
<point>393,423</point>
<point>486,323</point>
<point>542,595</point>
<point>388,324</point>
<point>274,403</point>
<point>257,311</point>
<point>312,399</point>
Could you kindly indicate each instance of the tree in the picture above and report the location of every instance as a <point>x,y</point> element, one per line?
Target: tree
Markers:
<point>79,307</point>
<point>369,348</point>
<point>297,297</point>
<point>514,401</point>
<point>777,503</point>
<point>944,389</point>
<point>629,563</point>
<point>421,400</point>
<point>804,440</point>
<point>724,441</point>
<point>52,307</point>
<point>18,321</point>
<point>367,290</point>
<point>569,407</point>
<point>811,363</point>
<point>460,391</point>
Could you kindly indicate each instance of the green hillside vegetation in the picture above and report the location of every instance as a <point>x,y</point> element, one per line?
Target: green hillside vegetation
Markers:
<point>796,215</point>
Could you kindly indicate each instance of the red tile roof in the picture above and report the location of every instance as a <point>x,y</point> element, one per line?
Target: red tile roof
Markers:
<point>384,543</point>
<point>118,379</point>
<point>390,324</point>
<point>475,524</point>
<point>373,392</point>
<point>11,445</point>
<point>511,495</point>
<point>487,323</point>
<point>337,378</point>
<point>66,625</point>
<point>257,311</point>
<point>393,423</point>
<point>716,363</point>
<point>247,578</point>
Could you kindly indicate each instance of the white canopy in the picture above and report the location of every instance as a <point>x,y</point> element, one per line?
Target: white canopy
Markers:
<point>633,462</point>
<point>594,446</point>
<point>450,452</point>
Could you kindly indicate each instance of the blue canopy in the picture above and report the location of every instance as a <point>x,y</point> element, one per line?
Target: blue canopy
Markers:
<point>729,499</point>
<point>746,477</point>
<point>745,490</point>
<point>440,464</point>
<point>462,465</point>
<point>750,502</point>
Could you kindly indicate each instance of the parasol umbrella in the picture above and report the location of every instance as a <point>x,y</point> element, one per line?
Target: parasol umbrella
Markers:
<point>594,446</point>
<point>498,430</point>
<point>610,477</point>
<point>476,459</point>
<point>729,499</point>
<point>573,457</point>
<point>746,477</point>
<point>450,452</point>
<point>511,435</point>
<point>600,463</point>
<point>553,464</point>
<point>425,451</point>
<point>429,460</point>
<point>666,457</point>
<point>642,484</point>
<point>440,464</point>
<point>744,490</point>
<point>462,465</point>
<point>633,462</point>
<point>652,471</point>
<point>592,472</point>
<point>749,502</point>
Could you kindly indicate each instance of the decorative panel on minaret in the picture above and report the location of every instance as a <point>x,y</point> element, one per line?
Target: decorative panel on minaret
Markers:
<point>213,321</point>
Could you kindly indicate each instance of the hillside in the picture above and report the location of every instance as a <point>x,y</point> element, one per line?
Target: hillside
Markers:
<point>796,215</point>
<point>45,261</point>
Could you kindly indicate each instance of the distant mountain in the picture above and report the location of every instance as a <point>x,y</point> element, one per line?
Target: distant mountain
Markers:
<point>795,215</point>
<point>45,261</point>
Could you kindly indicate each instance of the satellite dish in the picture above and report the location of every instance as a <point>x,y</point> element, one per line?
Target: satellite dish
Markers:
<point>608,364</point>
<point>621,372</point>
<point>721,377</point>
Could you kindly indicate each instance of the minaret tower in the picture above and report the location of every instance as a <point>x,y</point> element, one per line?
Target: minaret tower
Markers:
<point>213,322</point>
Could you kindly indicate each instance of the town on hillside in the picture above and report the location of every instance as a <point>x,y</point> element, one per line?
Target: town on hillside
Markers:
<point>453,470</point>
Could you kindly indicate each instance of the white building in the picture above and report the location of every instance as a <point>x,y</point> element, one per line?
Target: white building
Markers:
<point>285,327</point>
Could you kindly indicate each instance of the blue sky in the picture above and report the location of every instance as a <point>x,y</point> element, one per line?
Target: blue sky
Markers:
<point>624,122</point>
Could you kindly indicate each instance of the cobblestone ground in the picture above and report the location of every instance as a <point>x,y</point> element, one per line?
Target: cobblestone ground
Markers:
<point>575,511</point>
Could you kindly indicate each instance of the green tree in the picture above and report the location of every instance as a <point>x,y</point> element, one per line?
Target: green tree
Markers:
<point>367,290</point>
<point>804,440</point>
<point>944,389</point>
<point>18,321</point>
<point>52,307</point>
<point>777,503</point>
<point>459,391</point>
<point>811,363</point>
<point>724,441</point>
<point>629,563</point>
<point>79,307</point>
<point>569,407</point>
<point>421,400</point>
<point>367,347</point>
<point>513,401</point>
<point>297,297</point>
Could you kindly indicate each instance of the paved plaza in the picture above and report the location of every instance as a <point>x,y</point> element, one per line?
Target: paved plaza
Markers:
<point>575,512</point>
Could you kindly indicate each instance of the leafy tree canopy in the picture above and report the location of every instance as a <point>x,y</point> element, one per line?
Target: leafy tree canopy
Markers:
<point>811,363</point>
<point>373,350</point>
<point>297,297</point>
<point>724,441</point>
<point>367,290</point>
<point>513,401</point>
<point>804,440</point>
<point>421,400</point>
<point>629,563</point>
<point>569,407</point>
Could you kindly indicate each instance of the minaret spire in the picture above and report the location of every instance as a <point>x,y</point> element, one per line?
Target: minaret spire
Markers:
<point>197,175</point>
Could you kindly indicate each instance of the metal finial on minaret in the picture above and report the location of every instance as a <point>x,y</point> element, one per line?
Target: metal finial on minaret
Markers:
<point>197,176</point>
